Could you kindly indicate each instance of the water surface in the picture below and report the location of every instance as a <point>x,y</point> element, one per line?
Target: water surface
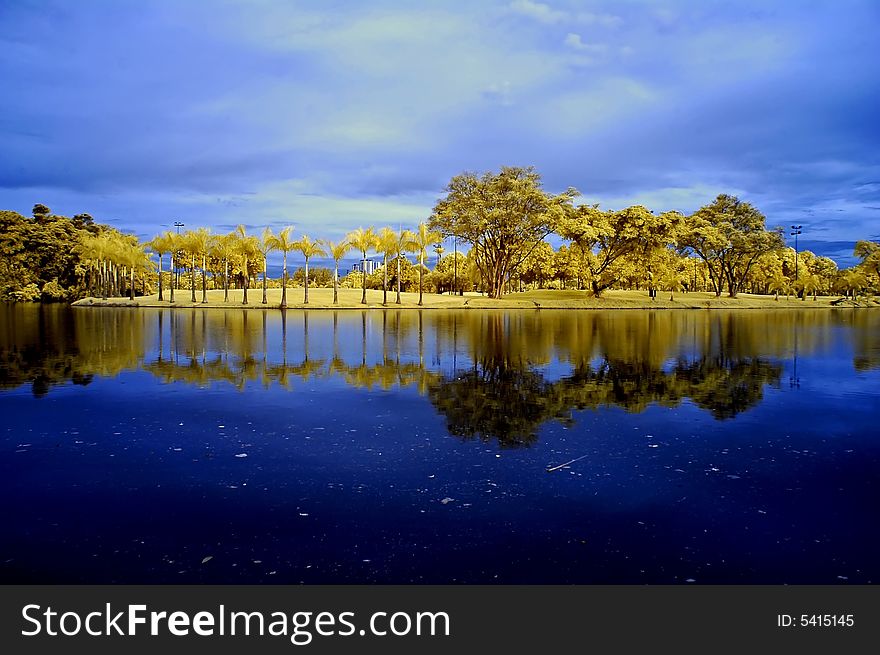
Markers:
<point>431,447</point>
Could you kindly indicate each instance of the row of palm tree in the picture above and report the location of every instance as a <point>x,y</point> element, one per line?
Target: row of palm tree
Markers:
<point>111,259</point>
<point>242,251</point>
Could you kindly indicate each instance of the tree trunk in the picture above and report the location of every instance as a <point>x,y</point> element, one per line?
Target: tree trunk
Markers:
<point>364,279</point>
<point>225,280</point>
<point>265,269</point>
<point>306,296</point>
<point>160,277</point>
<point>192,278</point>
<point>244,300</point>
<point>284,283</point>
<point>131,283</point>
<point>336,283</point>
<point>421,270</point>
<point>398,278</point>
<point>171,278</point>
<point>204,280</point>
<point>385,281</point>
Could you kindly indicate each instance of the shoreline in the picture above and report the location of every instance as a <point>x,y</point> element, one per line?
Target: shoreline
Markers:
<point>349,299</point>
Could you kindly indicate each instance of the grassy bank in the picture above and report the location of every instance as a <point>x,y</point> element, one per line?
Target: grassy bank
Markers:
<point>543,299</point>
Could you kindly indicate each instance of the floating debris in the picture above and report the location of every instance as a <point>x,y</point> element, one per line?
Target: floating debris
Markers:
<point>207,559</point>
<point>556,468</point>
<point>447,500</point>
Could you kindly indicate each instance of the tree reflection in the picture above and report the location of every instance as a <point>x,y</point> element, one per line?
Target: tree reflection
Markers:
<point>491,375</point>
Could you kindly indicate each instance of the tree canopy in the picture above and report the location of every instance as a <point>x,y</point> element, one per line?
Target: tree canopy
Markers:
<point>503,216</point>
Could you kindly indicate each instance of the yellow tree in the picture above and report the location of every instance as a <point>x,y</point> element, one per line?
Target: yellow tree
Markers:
<point>265,247</point>
<point>309,249</point>
<point>388,247</point>
<point>404,238</point>
<point>283,243</point>
<point>198,244</point>
<point>423,239</point>
<point>337,250</point>
<point>363,241</point>
<point>248,249</point>
<point>224,249</point>
<point>160,244</point>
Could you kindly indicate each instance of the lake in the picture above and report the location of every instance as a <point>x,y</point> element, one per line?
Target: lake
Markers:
<point>468,446</point>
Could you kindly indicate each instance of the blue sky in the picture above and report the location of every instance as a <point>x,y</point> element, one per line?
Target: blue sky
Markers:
<point>329,115</point>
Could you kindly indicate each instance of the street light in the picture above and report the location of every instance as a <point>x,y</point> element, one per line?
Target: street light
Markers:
<point>795,231</point>
<point>178,225</point>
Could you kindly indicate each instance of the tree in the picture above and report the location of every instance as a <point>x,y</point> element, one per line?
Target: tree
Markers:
<point>363,241</point>
<point>265,246</point>
<point>198,244</point>
<point>283,243</point>
<point>779,283</point>
<point>248,249</point>
<point>404,238</point>
<point>387,245</point>
<point>869,254</point>
<point>729,235</point>
<point>309,249</point>
<point>537,268</point>
<point>161,244</point>
<point>606,237</point>
<point>503,217</point>
<point>423,238</point>
<point>851,281</point>
<point>41,212</point>
<point>225,250</point>
<point>337,250</point>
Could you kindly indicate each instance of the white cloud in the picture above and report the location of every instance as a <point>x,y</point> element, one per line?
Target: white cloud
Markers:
<point>603,20</point>
<point>575,42</point>
<point>538,11</point>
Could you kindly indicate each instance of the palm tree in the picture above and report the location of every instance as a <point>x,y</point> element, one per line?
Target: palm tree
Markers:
<point>424,239</point>
<point>363,241</point>
<point>810,283</point>
<point>404,238</point>
<point>283,243</point>
<point>337,250</point>
<point>309,249</point>
<point>388,247</point>
<point>671,281</point>
<point>161,244</point>
<point>173,247</point>
<point>265,245</point>
<point>779,282</point>
<point>199,243</point>
<point>247,248</point>
<point>224,249</point>
<point>853,280</point>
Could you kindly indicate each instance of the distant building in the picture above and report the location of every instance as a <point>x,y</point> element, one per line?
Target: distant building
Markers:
<point>371,266</point>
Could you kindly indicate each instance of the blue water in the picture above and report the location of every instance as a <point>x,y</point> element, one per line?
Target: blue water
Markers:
<point>247,446</point>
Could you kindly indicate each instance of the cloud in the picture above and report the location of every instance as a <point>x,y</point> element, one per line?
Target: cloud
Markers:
<point>575,42</point>
<point>538,11</point>
<point>333,113</point>
<point>603,20</point>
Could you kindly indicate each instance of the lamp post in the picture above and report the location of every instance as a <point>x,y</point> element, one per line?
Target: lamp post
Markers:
<point>176,274</point>
<point>795,231</point>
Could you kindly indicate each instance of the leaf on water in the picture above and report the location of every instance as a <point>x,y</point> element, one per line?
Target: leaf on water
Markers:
<point>240,455</point>
<point>207,559</point>
<point>447,500</point>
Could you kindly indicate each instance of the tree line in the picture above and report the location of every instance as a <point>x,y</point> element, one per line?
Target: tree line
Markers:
<point>502,221</point>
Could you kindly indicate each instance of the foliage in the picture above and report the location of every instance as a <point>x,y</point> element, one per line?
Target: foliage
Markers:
<point>730,236</point>
<point>502,216</point>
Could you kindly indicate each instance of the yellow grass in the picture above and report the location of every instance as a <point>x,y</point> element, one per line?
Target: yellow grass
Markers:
<point>321,298</point>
